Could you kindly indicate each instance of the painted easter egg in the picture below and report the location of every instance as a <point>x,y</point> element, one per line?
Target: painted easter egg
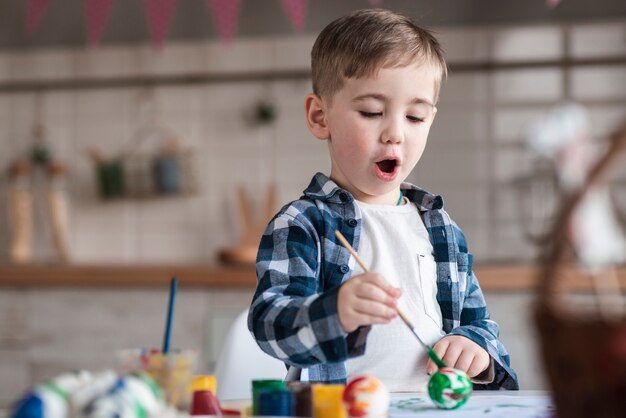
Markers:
<point>449,388</point>
<point>366,396</point>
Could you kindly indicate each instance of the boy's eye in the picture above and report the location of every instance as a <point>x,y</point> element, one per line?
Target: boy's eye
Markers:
<point>370,114</point>
<point>415,119</point>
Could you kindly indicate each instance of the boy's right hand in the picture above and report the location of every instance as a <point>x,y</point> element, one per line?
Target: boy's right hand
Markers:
<point>366,299</point>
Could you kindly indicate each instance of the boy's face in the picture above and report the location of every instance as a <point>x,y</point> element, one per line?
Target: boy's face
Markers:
<point>377,129</point>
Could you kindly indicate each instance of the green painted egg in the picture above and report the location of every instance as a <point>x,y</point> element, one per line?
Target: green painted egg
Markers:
<point>449,388</point>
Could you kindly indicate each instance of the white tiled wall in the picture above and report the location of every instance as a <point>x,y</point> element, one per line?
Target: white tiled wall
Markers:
<point>598,39</point>
<point>512,44</point>
<point>476,144</point>
<point>528,85</point>
<point>465,44</point>
<point>45,332</point>
<point>599,83</point>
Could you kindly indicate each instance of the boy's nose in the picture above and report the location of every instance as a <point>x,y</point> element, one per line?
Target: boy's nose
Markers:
<point>392,133</point>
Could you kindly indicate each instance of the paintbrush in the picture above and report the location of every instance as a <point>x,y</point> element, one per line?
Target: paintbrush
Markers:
<point>170,316</point>
<point>431,353</point>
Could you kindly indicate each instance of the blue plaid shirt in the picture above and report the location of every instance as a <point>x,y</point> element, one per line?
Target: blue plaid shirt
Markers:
<point>300,266</point>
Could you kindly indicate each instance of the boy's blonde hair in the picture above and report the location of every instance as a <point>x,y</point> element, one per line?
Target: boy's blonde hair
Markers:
<point>362,42</point>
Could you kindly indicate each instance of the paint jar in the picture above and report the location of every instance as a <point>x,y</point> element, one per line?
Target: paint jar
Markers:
<point>302,398</point>
<point>203,400</point>
<point>275,403</point>
<point>259,385</point>
<point>173,371</point>
<point>328,401</point>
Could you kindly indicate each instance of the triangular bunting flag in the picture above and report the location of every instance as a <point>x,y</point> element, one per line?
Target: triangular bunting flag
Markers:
<point>225,14</point>
<point>552,3</point>
<point>159,14</point>
<point>97,13</point>
<point>296,10</point>
<point>35,9</point>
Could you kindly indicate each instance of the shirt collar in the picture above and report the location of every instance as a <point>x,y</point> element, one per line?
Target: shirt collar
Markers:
<point>323,188</point>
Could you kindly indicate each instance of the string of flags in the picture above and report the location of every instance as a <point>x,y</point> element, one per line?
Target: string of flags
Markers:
<point>225,15</point>
<point>96,15</point>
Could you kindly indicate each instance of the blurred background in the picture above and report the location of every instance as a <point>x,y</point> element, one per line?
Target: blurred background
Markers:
<point>142,139</point>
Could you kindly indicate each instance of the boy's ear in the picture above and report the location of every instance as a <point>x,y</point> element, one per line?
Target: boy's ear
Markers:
<point>315,109</point>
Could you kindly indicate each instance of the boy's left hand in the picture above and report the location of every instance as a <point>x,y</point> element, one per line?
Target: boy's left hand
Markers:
<point>461,353</point>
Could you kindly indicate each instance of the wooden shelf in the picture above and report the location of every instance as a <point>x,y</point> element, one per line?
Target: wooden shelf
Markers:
<point>506,278</point>
<point>493,278</point>
<point>128,275</point>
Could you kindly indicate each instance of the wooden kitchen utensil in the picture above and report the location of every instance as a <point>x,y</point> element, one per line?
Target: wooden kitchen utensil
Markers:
<point>20,213</point>
<point>58,209</point>
<point>246,249</point>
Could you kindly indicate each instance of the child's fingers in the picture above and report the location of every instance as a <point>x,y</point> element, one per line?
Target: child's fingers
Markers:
<point>366,299</point>
<point>372,292</point>
<point>375,310</point>
<point>452,354</point>
<point>440,349</point>
<point>464,362</point>
<point>430,367</point>
<point>380,282</point>
<point>367,319</point>
<point>460,353</point>
<point>478,366</point>
<point>367,313</point>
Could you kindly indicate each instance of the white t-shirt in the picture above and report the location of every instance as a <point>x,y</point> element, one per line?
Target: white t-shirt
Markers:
<point>395,243</point>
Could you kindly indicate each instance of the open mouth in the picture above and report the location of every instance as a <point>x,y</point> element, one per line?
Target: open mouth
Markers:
<point>387,166</point>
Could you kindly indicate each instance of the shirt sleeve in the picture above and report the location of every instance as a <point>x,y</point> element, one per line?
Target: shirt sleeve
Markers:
<point>292,317</point>
<point>478,327</point>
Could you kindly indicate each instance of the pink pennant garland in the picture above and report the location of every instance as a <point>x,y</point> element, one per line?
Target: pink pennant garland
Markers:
<point>35,9</point>
<point>159,16</point>
<point>97,13</point>
<point>552,3</point>
<point>296,10</point>
<point>376,3</point>
<point>225,14</point>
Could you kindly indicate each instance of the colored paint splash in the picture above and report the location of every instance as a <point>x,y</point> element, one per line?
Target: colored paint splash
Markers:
<point>414,404</point>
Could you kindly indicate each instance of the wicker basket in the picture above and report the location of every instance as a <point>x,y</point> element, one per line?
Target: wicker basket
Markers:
<point>584,354</point>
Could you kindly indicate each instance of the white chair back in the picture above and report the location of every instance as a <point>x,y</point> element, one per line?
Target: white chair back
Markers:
<point>241,361</point>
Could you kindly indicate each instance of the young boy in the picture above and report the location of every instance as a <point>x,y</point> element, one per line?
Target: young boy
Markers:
<point>376,79</point>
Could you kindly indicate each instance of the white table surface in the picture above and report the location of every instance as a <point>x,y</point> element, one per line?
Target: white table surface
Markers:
<point>492,404</point>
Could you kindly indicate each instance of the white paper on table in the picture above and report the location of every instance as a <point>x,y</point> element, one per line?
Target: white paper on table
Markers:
<point>492,405</point>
